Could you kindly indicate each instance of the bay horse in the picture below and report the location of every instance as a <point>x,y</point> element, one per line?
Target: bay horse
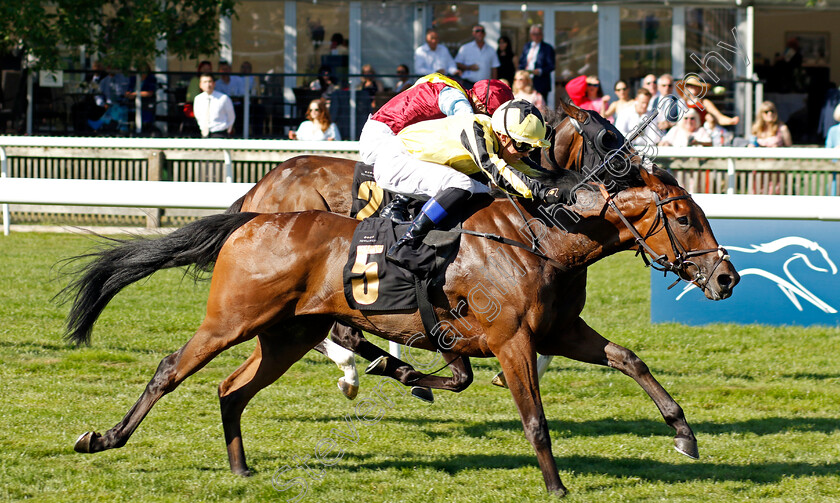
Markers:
<point>278,278</point>
<point>311,182</point>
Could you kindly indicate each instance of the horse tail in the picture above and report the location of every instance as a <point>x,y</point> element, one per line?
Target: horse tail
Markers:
<point>236,207</point>
<point>123,262</point>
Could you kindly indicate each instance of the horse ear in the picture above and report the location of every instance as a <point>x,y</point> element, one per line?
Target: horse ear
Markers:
<point>572,110</point>
<point>650,179</point>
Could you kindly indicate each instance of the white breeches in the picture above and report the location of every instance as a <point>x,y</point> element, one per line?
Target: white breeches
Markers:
<point>396,170</point>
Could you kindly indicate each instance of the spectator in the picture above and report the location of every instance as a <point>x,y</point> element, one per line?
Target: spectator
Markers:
<point>507,68</point>
<point>338,45</point>
<point>523,89</point>
<point>318,126</point>
<point>213,110</point>
<point>112,90</point>
<point>404,82</point>
<point>630,117</point>
<point>576,89</point>
<point>767,130</point>
<point>649,83</point>
<point>369,81</point>
<point>623,101</point>
<point>832,138</point>
<point>687,132</point>
<point>252,83</point>
<point>325,82</point>
<point>194,88</point>
<point>476,59</point>
<point>595,99</point>
<point>720,136</point>
<point>538,58</point>
<point>148,88</point>
<point>668,115</point>
<point>227,84</point>
<point>692,92</point>
<point>433,58</point>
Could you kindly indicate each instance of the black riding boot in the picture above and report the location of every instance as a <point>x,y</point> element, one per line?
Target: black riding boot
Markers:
<point>433,212</point>
<point>397,209</point>
<point>418,229</point>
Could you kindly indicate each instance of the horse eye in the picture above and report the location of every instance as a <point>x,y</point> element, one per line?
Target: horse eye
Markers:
<point>682,220</point>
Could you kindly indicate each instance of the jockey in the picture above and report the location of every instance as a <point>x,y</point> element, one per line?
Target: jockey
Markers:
<point>447,150</point>
<point>431,97</point>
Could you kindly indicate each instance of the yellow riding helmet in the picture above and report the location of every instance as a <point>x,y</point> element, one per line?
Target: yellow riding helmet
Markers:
<point>521,121</point>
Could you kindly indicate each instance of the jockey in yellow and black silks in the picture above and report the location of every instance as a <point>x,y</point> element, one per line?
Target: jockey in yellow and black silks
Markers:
<point>449,150</point>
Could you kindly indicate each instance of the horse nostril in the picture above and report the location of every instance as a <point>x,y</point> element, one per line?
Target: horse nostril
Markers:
<point>724,280</point>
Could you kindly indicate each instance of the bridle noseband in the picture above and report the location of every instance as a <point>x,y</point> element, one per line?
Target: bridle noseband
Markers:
<point>682,258</point>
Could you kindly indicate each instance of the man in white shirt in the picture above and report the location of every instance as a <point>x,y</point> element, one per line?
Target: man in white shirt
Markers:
<point>477,60</point>
<point>668,114</point>
<point>649,83</point>
<point>433,58</point>
<point>631,116</point>
<point>213,110</point>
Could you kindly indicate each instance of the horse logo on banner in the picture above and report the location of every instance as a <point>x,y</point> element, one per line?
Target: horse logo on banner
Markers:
<point>807,251</point>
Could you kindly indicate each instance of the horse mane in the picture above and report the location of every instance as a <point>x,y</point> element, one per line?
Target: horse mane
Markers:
<point>553,118</point>
<point>567,179</point>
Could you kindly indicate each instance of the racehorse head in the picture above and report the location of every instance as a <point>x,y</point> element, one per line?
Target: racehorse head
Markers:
<point>681,238</point>
<point>580,139</point>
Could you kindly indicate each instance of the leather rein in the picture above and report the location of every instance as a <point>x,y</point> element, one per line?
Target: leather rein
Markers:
<point>660,262</point>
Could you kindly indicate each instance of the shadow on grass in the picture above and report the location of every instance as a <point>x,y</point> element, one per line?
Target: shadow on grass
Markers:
<point>606,427</point>
<point>762,473</point>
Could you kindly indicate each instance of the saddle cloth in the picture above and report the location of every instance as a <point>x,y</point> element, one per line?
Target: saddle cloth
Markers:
<point>369,198</point>
<point>372,283</point>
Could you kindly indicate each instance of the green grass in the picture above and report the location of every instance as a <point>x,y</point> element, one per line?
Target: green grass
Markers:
<point>763,403</point>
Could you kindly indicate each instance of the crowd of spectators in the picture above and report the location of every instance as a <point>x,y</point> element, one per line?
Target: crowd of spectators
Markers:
<point>684,112</point>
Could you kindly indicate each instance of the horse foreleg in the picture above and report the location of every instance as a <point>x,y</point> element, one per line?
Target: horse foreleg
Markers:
<point>209,341</point>
<point>584,344</point>
<point>462,377</point>
<point>518,360</point>
<point>271,359</point>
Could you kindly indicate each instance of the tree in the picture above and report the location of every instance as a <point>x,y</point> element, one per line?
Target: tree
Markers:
<point>121,33</point>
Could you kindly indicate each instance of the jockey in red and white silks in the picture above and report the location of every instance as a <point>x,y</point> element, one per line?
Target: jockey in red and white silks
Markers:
<point>434,96</point>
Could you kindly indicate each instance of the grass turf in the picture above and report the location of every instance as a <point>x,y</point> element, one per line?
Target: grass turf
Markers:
<point>763,402</point>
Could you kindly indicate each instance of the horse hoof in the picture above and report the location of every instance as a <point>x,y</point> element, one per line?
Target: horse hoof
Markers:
<point>377,367</point>
<point>83,442</point>
<point>687,446</point>
<point>499,380</point>
<point>242,473</point>
<point>349,390</point>
<point>423,393</point>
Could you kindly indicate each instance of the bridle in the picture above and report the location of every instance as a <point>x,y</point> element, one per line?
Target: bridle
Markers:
<point>682,258</point>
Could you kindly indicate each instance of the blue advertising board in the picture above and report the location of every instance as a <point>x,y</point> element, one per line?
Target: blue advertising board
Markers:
<point>789,276</point>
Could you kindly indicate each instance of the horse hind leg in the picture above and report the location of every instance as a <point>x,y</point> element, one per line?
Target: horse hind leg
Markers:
<point>543,362</point>
<point>211,339</point>
<point>584,344</point>
<point>348,384</point>
<point>382,363</point>
<point>276,351</point>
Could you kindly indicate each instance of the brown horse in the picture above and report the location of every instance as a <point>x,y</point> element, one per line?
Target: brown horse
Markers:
<point>278,277</point>
<point>325,183</point>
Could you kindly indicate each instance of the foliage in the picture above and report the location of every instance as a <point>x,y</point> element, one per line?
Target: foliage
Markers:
<point>122,33</point>
<point>762,402</point>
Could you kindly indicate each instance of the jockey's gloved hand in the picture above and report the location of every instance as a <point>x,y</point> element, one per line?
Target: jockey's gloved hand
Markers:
<point>553,195</point>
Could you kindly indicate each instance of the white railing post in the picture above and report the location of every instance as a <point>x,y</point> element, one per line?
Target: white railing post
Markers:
<point>730,176</point>
<point>228,167</point>
<point>4,172</point>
